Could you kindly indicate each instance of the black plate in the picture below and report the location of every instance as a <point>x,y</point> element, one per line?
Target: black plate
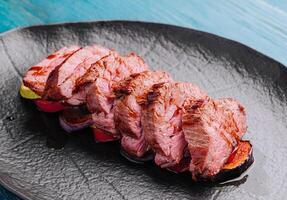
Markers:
<point>84,170</point>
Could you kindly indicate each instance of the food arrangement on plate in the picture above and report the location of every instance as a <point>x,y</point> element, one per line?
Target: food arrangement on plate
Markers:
<point>154,117</point>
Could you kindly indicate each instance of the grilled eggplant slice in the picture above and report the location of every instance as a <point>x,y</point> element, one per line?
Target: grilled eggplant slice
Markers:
<point>147,157</point>
<point>238,162</point>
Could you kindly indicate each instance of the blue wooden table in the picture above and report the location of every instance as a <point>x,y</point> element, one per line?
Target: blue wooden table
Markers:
<point>260,24</point>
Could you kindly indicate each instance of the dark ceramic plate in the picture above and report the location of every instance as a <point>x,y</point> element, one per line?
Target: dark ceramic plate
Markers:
<point>84,170</point>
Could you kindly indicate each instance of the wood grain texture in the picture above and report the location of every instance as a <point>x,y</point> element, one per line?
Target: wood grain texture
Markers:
<point>260,24</point>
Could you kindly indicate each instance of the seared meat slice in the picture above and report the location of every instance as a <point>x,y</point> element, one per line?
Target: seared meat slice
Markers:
<point>212,129</point>
<point>162,120</point>
<point>238,114</point>
<point>128,111</point>
<point>103,68</point>
<point>104,75</point>
<point>61,81</point>
<point>37,76</point>
<point>133,64</point>
<point>79,97</point>
<point>68,86</point>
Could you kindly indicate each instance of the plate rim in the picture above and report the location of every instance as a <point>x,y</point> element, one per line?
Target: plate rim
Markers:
<point>154,23</point>
<point>11,188</point>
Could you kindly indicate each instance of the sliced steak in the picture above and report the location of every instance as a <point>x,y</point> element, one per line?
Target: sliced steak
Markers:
<point>133,63</point>
<point>212,129</point>
<point>61,81</point>
<point>239,116</point>
<point>37,76</point>
<point>132,94</point>
<point>68,86</point>
<point>104,75</point>
<point>162,120</point>
<point>102,69</point>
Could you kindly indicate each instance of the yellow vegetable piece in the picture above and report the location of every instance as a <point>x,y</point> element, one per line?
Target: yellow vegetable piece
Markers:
<point>27,93</point>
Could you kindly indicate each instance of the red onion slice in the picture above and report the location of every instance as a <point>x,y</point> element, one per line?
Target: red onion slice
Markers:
<point>75,118</point>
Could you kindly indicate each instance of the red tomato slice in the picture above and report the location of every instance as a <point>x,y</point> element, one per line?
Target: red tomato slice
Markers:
<point>101,136</point>
<point>49,106</point>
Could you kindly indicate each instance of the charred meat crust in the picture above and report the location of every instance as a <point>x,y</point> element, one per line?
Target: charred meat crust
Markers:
<point>62,81</point>
<point>90,76</point>
<point>100,97</point>
<point>153,93</point>
<point>131,94</point>
<point>37,76</point>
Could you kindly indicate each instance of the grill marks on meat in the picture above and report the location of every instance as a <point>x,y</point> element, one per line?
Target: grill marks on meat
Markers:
<point>178,121</point>
<point>212,129</point>
<point>61,81</point>
<point>108,72</point>
<point>238,114</point>
<point>162,120</point>
<point>134,63</point>
<point>125,66</point>
<point>98,70</point>
<point>132,94</point>
<point>37,76</point>
<point>68,86</point>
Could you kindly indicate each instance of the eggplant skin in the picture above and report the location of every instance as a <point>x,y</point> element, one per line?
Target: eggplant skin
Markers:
<point>232,169</point>
<point>148,157</point>
<point>236,171</point>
